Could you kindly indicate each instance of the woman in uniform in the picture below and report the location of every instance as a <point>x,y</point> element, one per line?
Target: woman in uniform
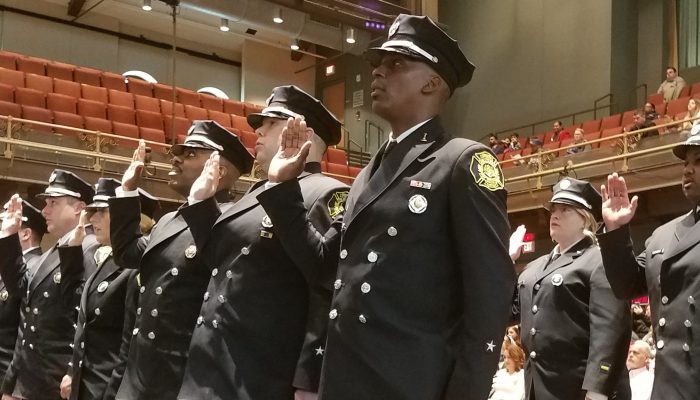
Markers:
<point>574,331</point>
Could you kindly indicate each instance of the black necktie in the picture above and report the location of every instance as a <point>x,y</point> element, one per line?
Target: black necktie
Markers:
<point>389,145</point>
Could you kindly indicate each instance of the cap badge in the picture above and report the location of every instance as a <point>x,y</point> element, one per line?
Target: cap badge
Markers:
<point>564,184</point>
<point>266,222</point>
<point>4,295</point>
<point>486,171</point>
<point>191,251</point>
<point>336,205</point>
<point>103,286</point>
<point>418,204</point>
<point>557,279</point>
<point>52,178</point>
<point>393,28</point>
<point>57,278</point>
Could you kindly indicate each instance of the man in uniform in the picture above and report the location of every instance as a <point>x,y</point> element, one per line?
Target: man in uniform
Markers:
<point>107,307</point>
<point>172,273</point>
<point>52,291</point>
<point>258,337</point>
<point>30,234</point>
<point>424,279</point>
<point>668,270</point>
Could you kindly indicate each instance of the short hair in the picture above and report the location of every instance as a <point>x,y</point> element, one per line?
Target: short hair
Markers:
<point>558,122</point>
<point>653,106</point>
<point>493,135</point>
<point>673,68</point>
<point>638,112</point>
<point>515,134</point>
<point>644,347</point>
<point>579,129</point>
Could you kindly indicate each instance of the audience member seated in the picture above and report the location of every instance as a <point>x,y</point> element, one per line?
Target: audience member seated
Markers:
<point>650,111</point>
<point>496,146</point>
<point>514,142</point>
<point>641,321</point>
<point>509,381</point>
<point>693,112</point>
<point>580,141</point>
<point>559,133</point>
<point>672,86</point>
<point>513,334</point>
<point>640,122</point>
<point>641,376</point>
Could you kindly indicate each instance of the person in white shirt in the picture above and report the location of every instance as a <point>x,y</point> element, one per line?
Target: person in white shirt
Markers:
<point>509,381</point>
<point>641,377</point>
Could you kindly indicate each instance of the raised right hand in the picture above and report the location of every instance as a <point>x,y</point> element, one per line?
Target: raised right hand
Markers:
<point>78,234</point>
<point>208,181</point>
<point>66,383</point>
<point>132,175</point>
<point>13,217</point>
<point>9,397</point>
<point>515,247</point>
<point>295,143</point>
<point>618,209</point>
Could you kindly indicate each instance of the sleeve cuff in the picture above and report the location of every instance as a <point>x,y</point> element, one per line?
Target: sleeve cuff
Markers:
<point>595,396</point>
<point>120,192</point>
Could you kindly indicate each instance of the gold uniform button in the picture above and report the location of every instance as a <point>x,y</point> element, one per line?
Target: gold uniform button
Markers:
<point>533,331</point>
<point>343,254</point>
<point>333,314</point>
<point>143,289</point>
<point>533,355</point>
<point>372,257</point>
<point>154,313</point>
<point>392,231</point>
<point>687,323</point>
<point>151,335</point>
<point>664,300</point>
<point>686,348</point>
<point>660,344</point>
<point>97,311</point>
<point>337,284</point>
<point>365,288</point>
<point>214,271</point>
<point>662,321</point>
<point>534,309</point>
<point>362,319</point>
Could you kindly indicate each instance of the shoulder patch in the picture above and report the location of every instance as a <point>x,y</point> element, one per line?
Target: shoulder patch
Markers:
<point>336,205</point>
<point>486,171</point>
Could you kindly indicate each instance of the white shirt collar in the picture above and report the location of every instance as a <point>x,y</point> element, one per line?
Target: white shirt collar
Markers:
<point>405,134</point>
<point>24,253</point>
<point>637,371</point>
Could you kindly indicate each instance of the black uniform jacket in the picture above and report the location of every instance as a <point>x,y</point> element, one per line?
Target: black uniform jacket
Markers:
<point>575,332</point>
<point>10,315</point>
<point>105,322</point>
<point>250,339</point>
<point>173,279</point>
<point>669,271</point>
<point>50,301</point>
<point>424,282</point>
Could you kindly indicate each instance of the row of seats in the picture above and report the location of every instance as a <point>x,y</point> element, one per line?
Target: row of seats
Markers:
<point>114,81</point>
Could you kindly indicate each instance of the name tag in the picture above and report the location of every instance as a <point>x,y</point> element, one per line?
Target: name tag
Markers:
<point>655,252</point>
<point>421,184</point>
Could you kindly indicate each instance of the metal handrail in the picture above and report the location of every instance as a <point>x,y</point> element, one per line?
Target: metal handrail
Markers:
<point>362,152</point>
<point>595,104</point>
<point>634,91</point>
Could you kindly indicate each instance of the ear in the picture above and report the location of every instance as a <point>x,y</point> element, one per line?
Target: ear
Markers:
<point>79,207</point>
<point>433,85</point>
<point>223,171</point>
<point>25,233</point>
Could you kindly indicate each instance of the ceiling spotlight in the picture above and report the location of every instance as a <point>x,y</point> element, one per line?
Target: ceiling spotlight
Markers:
<point>295,45</point>
<point>277,16</point>
<point>224,25</point>
<point>350,35</point>
<point>146,5</point>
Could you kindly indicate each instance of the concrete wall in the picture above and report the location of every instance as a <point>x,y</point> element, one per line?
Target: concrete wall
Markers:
<point>266,67</point>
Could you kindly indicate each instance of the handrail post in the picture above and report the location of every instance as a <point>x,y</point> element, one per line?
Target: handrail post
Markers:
<point>98,150</point>
<point>625,151</point>
<point>8,126</point>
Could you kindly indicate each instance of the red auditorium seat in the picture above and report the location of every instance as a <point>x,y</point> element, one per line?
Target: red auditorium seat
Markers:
<point>354,171</point>
<point>337,156</point>
<point>565,143</point>
<point>220,117</point>
<point>551,146</point>
<point>113,81</point>
<point>548,136</point>
<point>166,107</point>
<point>124,115</point>
<point>684,92</point>
<point>233,107</point>
<point>612,121</point>
<point>67,119</point>
<point>660,109</point>
<point>96,93</point>
<point>674,106</point>
<point>92,108</point>
<point>61,102</point>
<point>324,166</point>
<point>211,102</point>
<point>182,125</point>
<point>31,65</point>
<point>30,97</point>
<point>188,97</point>
<point>39,82</point>
<point>610,132</point>
<point>98,124</point>
<point>193,113</point>
<point>8,60</point>
<point>146,103</point>
<point>7,93</point>
<point>241,123</point>
<point>591,126</point>
<point>154,135</point>
<point>119,98</point>
<point>68,88</point>
<point>339,169</point>
<point>695,90</point>
<point>539,136</point>
<point>38,114</point>
<point>250,108</point>
<point>88,76</point>
<point>656,98</point>
<point>572,128</point>
<point>592,136</point>
<point>149,119</point>
<point>627,118</point>
<point>60,70</point>
<point>12,77</point>
<point>164,92</point>
<point>181,139</point>
<point>126,130</point>
<point>509,156</point>
<point>139,87</point>
<point>248,138</point>
<point>10,109</point>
